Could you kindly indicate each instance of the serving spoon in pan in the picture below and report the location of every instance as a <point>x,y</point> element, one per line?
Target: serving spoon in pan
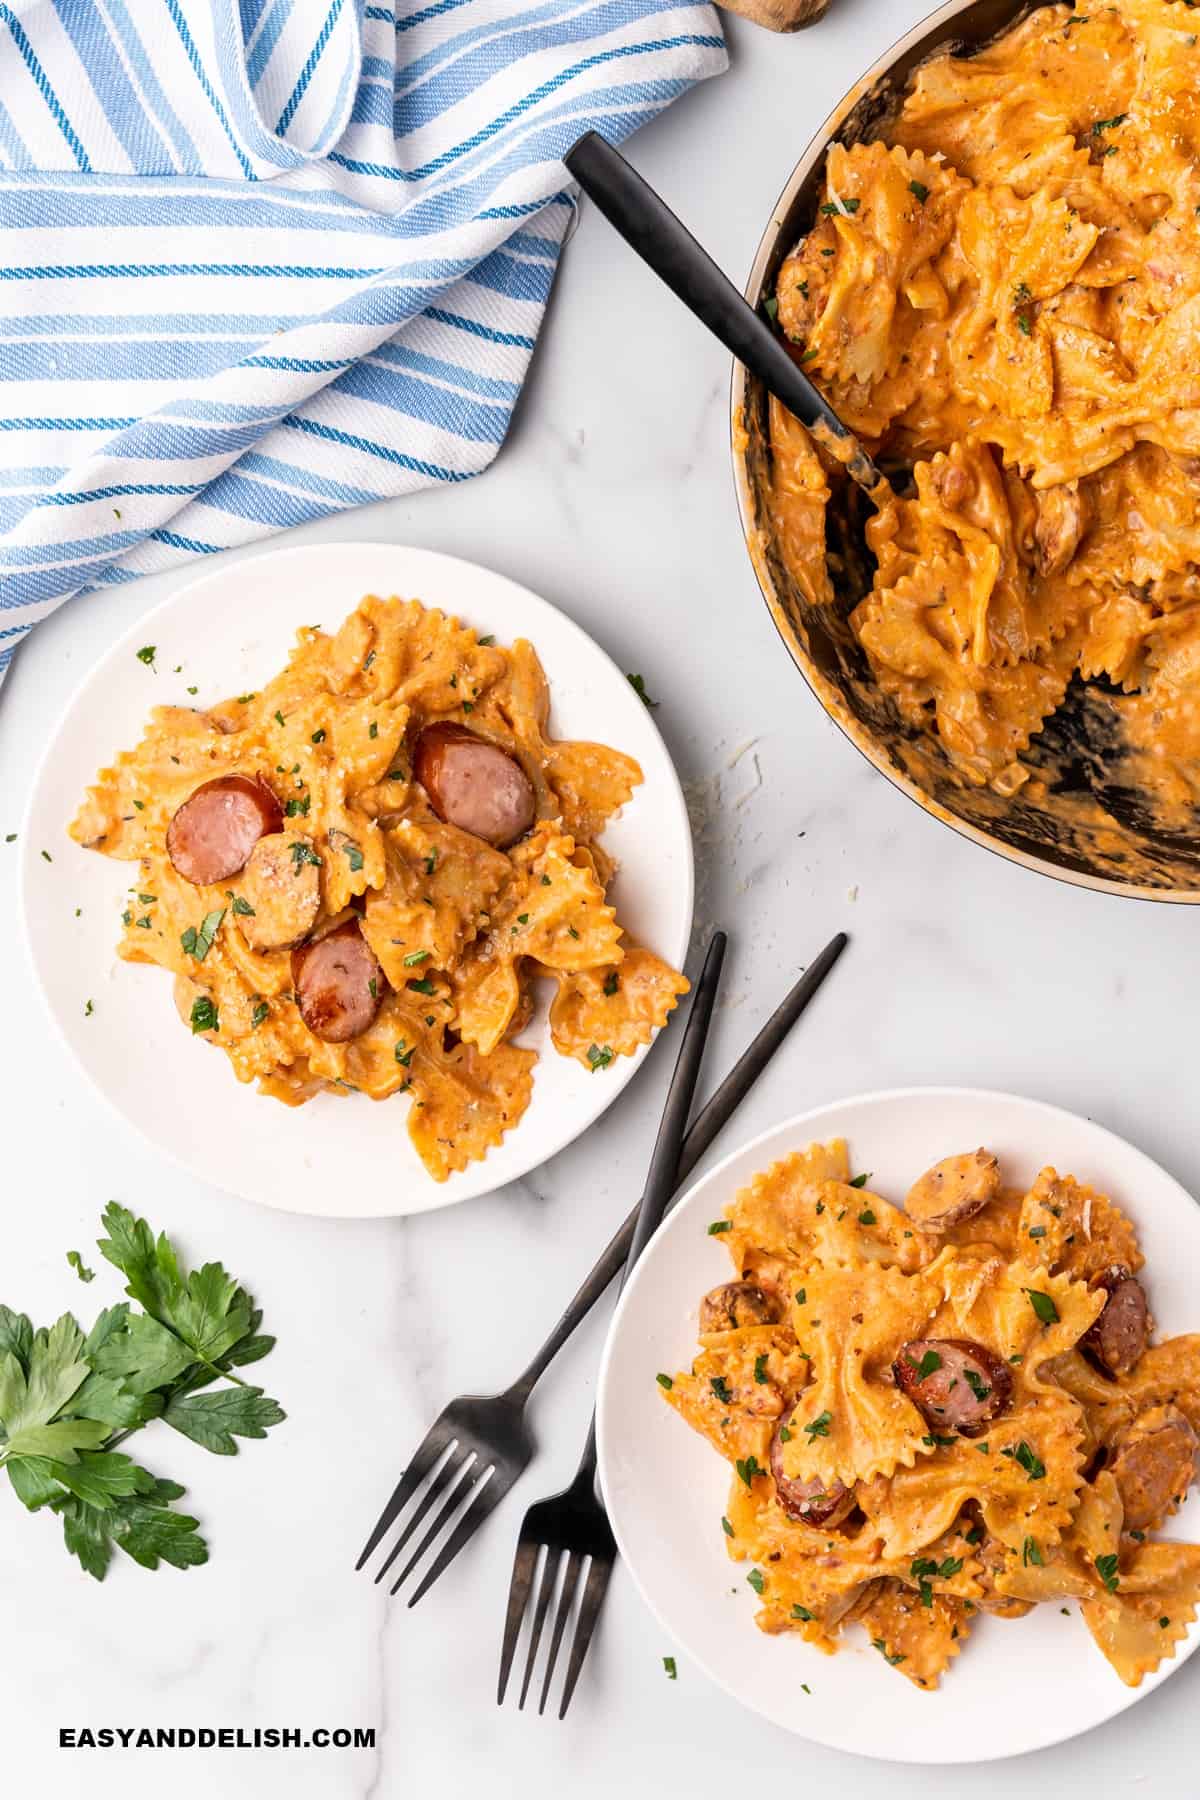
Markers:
<point>664,243</point>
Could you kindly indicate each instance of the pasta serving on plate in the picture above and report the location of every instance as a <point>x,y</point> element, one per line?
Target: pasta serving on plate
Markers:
<point>1004,293</point>
<point>945,1410</point>
<point>356,874</point>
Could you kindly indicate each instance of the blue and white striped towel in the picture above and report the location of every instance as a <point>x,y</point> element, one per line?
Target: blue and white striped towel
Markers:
<point>265,259</point>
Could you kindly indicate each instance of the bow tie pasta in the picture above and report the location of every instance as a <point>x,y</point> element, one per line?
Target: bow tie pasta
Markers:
<point>945,1410</point>
<point>1004,295</point>
<point>357,874</point>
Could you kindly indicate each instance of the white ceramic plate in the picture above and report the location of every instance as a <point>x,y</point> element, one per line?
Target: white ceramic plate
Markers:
<point>1020,1684</point>
<point>230,631</point>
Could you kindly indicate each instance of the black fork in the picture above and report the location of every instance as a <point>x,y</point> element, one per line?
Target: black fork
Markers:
<point>570,1531</point>
<point>478,1446</point>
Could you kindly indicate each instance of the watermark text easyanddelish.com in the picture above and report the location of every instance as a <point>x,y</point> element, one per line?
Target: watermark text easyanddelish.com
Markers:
<point>215,1737</point>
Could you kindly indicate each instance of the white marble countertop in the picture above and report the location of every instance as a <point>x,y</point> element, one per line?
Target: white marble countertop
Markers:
<point>614,499</point>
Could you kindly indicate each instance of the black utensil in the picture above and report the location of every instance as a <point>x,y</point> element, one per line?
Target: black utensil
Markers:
<point>664,243</point>
<point>479,1445</point>
<point>570,1531</point>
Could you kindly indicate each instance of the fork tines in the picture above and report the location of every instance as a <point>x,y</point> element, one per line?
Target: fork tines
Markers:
<point>553,1570</point>
<point>451,1467</point>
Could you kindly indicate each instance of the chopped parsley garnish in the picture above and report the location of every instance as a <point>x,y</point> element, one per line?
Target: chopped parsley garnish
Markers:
<point>928,1363</point>
<point>802,1612</point>
<point>372,730</point>
<point>1109,124</point>
<point>403,1056</point>
<point>1029,1460</point>
<point>1043,1305</point>
<point>726,1527</point>
<point>318,736</point>
<point>88,1010</point>
<point>771,307</point>
<point>1031,1552</point>
<point>637,683</point>
<point>760,1368</point>
<point>882,1648</point>
<point>840,206</point>
<point>301,854</point>
<point>978,1387</point>
<point>757,1580</point>
<point>920,190</point>
<point>241,907</point>
<point>571,932</point>
<point>719,1225</point>
<point>801,1296</point>
<point>599,1056</point>
<point>668,1661</point>
<point>147,654</point>
<point>431,862</point>
<point>748,1469</point>
<point>819,1427</point>
<point>1106,1569</point>
<point>611,983</point>
<point>354,857</point>
<point>414,957</point>
<point>197,941</point>
<point>424,986</point>
<point>933,1441</point>
<point>866,1216</point>
<point>664,1381</point>
<point>296,807</point>
<point>261,1012</point>
<point>485,641</point>
<point>860,1181</point>
<point>279,718</point>
<point>204,1015</point>
<point>1036,1231</point>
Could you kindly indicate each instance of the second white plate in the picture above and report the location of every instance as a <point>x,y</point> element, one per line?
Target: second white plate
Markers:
<point>227,632</point>
<point>1020,1684</point>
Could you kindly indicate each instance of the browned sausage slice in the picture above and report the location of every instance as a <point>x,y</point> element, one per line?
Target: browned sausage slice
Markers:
<point>212,834</point>
<point>1117,1338</point>
<point>953,1190</point>
<point>474,784</point>
<point>338,983</point>
<point>1154,1466</point>
<point>737,1303</point>
<point>823,1505</point>
<point>959,1386</point>
<point>279,893</point>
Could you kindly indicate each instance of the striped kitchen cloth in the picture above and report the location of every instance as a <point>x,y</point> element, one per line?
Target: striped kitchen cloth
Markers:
<point>261,260</point>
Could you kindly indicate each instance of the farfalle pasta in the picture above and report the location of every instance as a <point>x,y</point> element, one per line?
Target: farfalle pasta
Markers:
<point>1003,295</point>
<point>357,874</point>
<point>943,1410</point>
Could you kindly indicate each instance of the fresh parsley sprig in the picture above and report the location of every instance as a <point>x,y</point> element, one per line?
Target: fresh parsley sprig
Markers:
<point>68,1400</point>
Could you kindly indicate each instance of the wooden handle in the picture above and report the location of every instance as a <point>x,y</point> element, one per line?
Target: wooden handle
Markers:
<point>779,15</point>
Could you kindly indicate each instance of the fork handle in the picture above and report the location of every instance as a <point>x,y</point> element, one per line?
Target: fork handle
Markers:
<point>707,1125</point>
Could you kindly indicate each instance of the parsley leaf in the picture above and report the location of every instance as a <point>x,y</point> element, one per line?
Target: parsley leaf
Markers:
<point>1043,1305</point>
<point>637,683</point>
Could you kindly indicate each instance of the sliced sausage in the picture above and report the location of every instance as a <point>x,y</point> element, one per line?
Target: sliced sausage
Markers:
<point>1154,1465</point>
<point>737,1303</point>
<point>338,983</point>
<point>1063,515</point>
<point>281,887</point>
<point>962,1388</point>
<point>823,1505</point>
<point>953,1190</point>
<point>474,784</point>
<point>212,834</point>
<point>1117,1338</point>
